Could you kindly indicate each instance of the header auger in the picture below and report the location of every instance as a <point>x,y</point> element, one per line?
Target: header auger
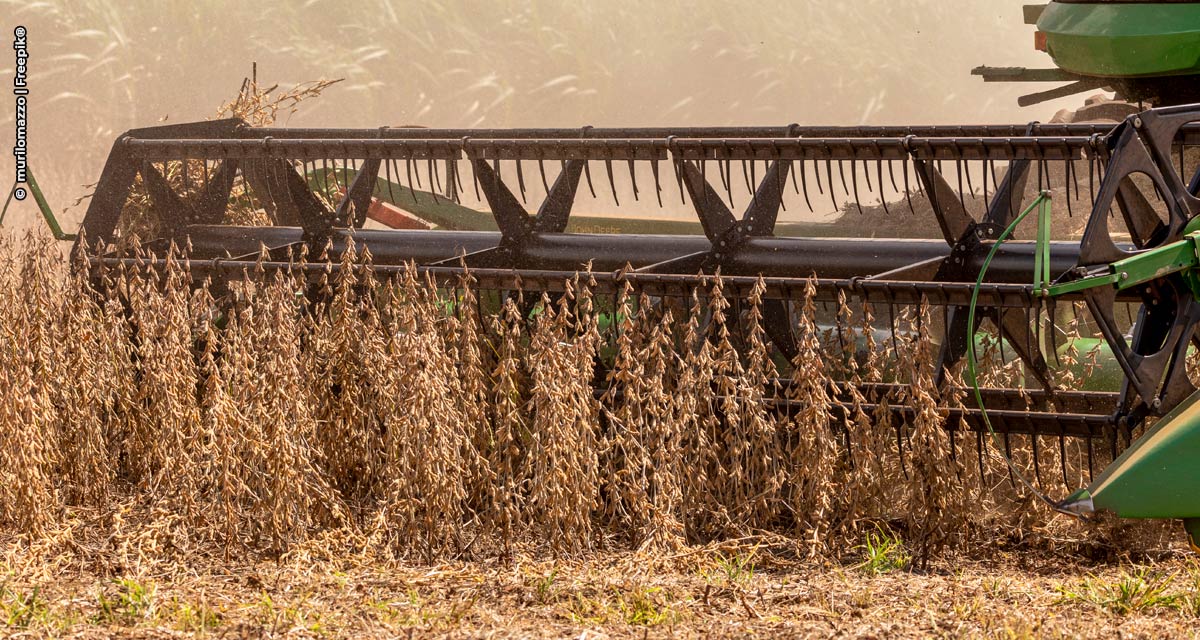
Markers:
<point>241,199</point>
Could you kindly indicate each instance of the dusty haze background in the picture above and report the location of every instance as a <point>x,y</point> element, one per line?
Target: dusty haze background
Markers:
<point>99,67</point>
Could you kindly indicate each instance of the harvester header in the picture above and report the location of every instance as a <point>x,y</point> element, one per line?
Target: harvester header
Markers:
<point>243,199</point>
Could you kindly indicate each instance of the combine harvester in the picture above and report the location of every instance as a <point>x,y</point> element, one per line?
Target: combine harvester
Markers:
<point>1133,183</point>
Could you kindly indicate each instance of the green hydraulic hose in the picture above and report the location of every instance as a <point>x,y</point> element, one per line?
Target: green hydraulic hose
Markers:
<point>1041,274</point>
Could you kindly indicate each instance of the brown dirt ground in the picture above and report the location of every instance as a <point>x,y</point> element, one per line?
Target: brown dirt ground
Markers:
<point>140,585</point>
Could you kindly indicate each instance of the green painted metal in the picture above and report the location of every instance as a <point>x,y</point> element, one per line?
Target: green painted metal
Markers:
<point>47,213</point>
<point>1157,477</point>
<point>1123,40</point>
<point>1178,257</point>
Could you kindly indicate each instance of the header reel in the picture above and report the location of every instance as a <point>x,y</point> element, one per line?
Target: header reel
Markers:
<point>308,191</point>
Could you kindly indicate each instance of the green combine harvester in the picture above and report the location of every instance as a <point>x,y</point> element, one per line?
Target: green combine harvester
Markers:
<point>1145,51</point>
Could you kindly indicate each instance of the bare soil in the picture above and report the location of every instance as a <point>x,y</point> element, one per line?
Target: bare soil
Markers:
<point>75,584</point>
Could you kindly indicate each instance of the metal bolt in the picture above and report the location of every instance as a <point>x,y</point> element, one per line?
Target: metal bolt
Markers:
<point>1137,122</point>
<point>1124,275</point>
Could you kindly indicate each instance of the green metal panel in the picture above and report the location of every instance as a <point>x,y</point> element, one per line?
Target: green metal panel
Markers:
<point>1123,40</point>
<point>1158,476</point>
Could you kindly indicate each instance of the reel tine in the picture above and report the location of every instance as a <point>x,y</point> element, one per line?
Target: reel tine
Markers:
<point>986,205</point>
<point>900,447</point>
<point>842,176</point>
<point>587,174</point>
<point>387,169</point>
<point>704,178</point>
<point>780,180</point>
<point>341,184</point>
<point>1062,459</point>
<point>1067,195</point>
<point>542,173</point>
<point>829,179</point>
<point>612,183</point>
<point>204,169</point>
<point>729,178</point>
<point>1037,467</point>
<point>840,335</point>
<point>475,179</point>
<point>413,192</point>
<point>892,324</point>
<point>520,180</point>
<point>804,181</point>
<point>657,182</point>
<point>1012,481</point>
<point>879,179</point>
<point>970,187</point>
<point>337,184</point>
<point>753,181</point>
<point>908,188</point>
<point>453,176</point>
<point>633,180</point>
<point>433,188</point>
<point>417,171</point>
<point>854,180</point>
<point>817,173</point>
<point>958,168</point>
<point>1073,173</point>
<point>435,177</point>
<point>677,164</point>
<point>724,176</point>
<point>1092,177</point>
<point>792,167</point>
<point>999,336</point>
<point>867,173</point>
<point>892,176</point>
<point>1051,332</point>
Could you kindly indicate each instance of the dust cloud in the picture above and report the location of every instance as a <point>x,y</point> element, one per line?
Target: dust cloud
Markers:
<point>100,67</point>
